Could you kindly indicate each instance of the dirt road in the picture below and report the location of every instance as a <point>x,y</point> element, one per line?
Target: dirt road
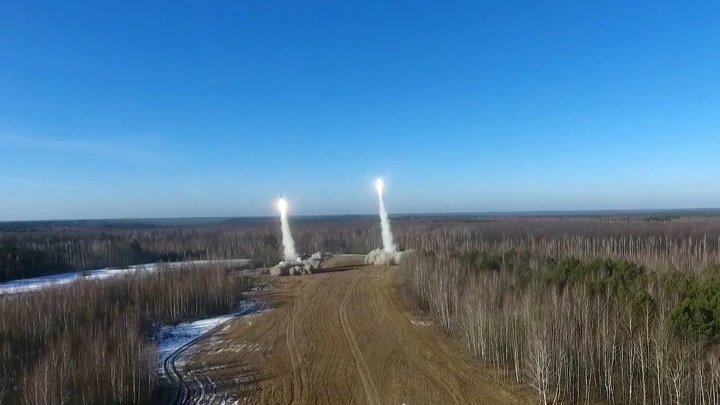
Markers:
<point>343,338</point>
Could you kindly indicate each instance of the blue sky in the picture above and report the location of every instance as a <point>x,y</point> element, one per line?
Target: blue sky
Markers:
<point>162,109</point>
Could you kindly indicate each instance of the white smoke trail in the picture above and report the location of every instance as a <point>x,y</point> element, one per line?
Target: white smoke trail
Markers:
<point>287,240</point>
<point>387,236</point>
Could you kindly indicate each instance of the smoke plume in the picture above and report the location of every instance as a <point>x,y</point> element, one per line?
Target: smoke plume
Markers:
<point>303,265</point>
<point>289,253</point>
<point>387,236</point>
<point>388,255</point>
<point>379,257</point>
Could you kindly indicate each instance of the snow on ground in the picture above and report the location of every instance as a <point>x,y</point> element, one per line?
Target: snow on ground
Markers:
<point>172,337</point>
<point>421,321</point>
<point>39,283</point>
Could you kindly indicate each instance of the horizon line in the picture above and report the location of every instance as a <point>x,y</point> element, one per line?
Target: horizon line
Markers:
<point>456,213</point>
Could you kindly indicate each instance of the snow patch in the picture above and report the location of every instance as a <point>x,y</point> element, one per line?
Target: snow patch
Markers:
<point>171,338</point>
<point>237,348</point>
<point>39,283</point>
<point>421,321</point>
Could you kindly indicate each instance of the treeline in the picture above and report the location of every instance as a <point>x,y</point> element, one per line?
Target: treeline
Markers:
<point>685,243</point>
<point>579,330</point>
<point>32,254</point>
<point>91,342</point>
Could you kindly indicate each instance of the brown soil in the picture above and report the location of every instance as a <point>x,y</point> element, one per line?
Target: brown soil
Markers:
<point>342,337</point>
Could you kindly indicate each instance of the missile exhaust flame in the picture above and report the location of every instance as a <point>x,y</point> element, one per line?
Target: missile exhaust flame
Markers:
<point>379,185</point>
<point>289,253</point>
<point>388,255</point>
<point>387,236</point>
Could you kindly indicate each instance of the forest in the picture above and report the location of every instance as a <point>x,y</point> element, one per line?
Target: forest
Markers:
<point>39,249</point>
<point>91,342</point>
<point>617,319</point>
<point>614,309</point>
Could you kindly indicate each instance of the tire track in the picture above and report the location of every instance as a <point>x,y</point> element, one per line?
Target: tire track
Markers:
<point>371,394</point>
<point>347,328</point>
<point>186,392</point>
<point>298,372</point>
<point>326,333</point>
<point>201,391</point>
<point>382,313</point>
<point>171,370</point>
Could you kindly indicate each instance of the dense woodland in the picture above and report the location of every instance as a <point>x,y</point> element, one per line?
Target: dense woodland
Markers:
<point>583,319</point>
<point>36,249</point>
<point>582,309</point>
<point>91,342</point>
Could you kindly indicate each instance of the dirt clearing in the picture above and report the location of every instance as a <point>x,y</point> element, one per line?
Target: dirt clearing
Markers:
<point>342,337</point>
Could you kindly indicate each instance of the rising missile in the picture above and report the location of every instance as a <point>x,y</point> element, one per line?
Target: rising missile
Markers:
<point>282,205</point>
<point>379,184</point>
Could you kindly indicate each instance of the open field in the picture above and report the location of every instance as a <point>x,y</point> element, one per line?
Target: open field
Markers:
<point>343,336</point>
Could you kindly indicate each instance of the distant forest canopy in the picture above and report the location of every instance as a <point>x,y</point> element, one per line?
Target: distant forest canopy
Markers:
<point>40,248</point>
<point>145,223</point>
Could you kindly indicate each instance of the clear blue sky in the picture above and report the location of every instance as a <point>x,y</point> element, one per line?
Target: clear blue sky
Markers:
<point>187,108</point>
